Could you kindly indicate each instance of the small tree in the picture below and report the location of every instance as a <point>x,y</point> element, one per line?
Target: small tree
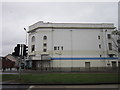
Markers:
<point>116,40</point>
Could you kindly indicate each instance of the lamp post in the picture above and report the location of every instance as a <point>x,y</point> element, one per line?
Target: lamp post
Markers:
<point>26,36</point>
<point>25,44</point>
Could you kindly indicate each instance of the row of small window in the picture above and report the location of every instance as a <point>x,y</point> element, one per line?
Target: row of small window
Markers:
<point>109,46</point>
<point>58,47</point>
<point>108,36</point>
<point>45,50</point>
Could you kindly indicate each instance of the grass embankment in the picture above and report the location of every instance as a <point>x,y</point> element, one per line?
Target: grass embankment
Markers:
<point>64,78</point>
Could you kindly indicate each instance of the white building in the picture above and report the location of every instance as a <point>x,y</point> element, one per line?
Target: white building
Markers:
<point>71,46</point>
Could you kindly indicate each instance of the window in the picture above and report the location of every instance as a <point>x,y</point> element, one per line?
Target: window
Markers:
<point>114,64</point>
<point>119,64</point>
<point>55,48</point>
<point>98,37</point>
<point>99,46</point>
<point>62,48</point>
<point>110,46</point>
<point>87,64</point>
<point>58,47</point>
<point>44,50</point>
<point>45,44</point>
<point>111,55</point>
<point>33,48</point>
<point>33,39</point>
<point>45,38</point>
<point>109,36</point>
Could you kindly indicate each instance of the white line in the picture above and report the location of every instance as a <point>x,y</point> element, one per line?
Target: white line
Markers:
<point>78,86</point>
<point>31,87</point>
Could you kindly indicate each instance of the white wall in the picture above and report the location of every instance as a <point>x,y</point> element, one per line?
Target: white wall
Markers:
<point>75,42</point>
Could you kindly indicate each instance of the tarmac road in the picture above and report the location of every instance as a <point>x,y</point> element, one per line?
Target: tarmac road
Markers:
<point>61,87</point>
<point>15,87</point>
<point>75,87</point>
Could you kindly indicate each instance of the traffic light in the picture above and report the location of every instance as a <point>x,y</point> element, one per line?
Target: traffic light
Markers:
<point>25,49</point>
<point>118,49</point>
<point>16,50</point>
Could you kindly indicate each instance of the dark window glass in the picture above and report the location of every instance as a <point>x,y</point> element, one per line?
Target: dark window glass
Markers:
<point>62,48</point>
<point>110,46</point>
<point>55,48</point>
<point>45,44</point>
<point>45,38</point>
<point>44,50</point>
<point>109,36</point>
<point>99,46</point>
<point>98,37</point>
<point>58,47</point>
<point>33,48</point>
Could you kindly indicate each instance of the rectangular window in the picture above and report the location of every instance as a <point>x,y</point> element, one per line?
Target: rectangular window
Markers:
<point>87,64</point>
<point>58,47</point>
<point>111,55</point>
<point>119,64</point>
<point>62,48</point>
<point>109,36</point>
<point>99,46</point>
<point>45,44</point>
<point>110,46</point>
<point>98,37</point>
<point>33,48</point>
<point>114,64</point>
<point>55,48</point>
<point>44,50</point>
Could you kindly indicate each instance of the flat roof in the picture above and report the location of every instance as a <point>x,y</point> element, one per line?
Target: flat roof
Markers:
<point>42,24</point>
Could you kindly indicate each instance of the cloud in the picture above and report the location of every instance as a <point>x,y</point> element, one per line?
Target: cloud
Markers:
<point>19,15</point>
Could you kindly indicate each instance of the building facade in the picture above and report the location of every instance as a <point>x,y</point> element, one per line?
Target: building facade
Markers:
<point>71,46</point>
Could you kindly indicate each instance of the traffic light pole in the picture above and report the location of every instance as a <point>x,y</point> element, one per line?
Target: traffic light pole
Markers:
<point>19,60</point>
<point>21,52</point>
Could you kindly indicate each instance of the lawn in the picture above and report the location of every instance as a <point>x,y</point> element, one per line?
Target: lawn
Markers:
<point>63,78</point>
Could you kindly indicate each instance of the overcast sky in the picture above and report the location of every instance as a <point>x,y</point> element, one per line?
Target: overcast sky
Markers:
<point>19,15</point>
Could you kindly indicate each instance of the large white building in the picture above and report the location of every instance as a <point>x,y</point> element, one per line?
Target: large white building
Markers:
<point>71,46</point>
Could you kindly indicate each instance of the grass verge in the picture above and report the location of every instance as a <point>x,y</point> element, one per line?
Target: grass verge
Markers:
<point>62,78</point>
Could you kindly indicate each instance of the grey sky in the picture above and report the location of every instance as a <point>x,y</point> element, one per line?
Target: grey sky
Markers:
<point>19,15</point>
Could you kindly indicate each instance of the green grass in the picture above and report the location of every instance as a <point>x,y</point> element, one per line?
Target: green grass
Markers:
<point>7,77</point>
<point>64,78</point>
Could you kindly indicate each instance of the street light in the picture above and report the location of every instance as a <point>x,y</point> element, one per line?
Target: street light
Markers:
<point>26,45</point>
<point>26,36</point>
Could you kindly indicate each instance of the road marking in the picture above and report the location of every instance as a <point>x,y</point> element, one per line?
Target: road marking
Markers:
<point>76,86</point>
<point>31,87</point>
